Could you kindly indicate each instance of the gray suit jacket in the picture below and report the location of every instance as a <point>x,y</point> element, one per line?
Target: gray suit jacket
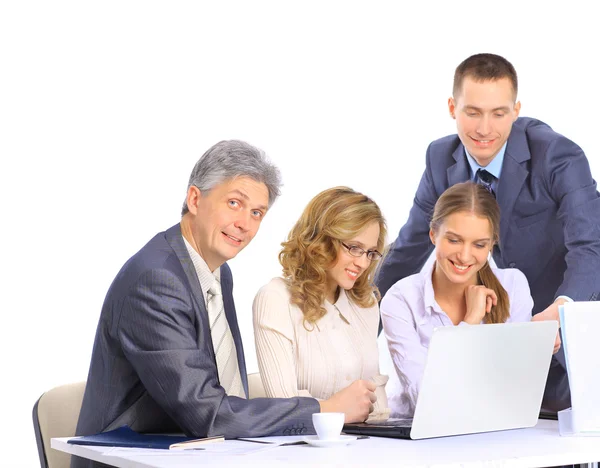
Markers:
<point>153,365</point>
<point>550,217</point>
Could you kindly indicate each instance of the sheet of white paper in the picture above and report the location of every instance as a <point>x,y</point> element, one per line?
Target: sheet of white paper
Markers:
<point>275,439</point>
<point>229,447</point>
<point>241,447</point>
<point>119,451</point>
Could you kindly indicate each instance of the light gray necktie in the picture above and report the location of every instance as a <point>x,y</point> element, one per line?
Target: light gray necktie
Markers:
<point>223,345</point>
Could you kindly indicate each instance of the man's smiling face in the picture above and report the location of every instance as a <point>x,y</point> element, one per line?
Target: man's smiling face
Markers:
<point>484,113</point>
<point>226,218</point>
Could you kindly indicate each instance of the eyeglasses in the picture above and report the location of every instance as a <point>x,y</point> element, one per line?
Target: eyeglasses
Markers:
<point>356,251</point>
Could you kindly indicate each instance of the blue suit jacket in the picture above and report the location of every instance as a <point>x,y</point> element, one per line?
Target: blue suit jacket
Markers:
<point>153,365</point>
<point>549,206</point>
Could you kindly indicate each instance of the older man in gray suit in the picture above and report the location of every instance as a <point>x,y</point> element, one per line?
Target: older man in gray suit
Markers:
<point>168,355</point>
<point>549,205</point>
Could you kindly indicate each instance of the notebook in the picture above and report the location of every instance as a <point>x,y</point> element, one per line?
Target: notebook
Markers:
<point>477,379</point>
<point>124,436</point>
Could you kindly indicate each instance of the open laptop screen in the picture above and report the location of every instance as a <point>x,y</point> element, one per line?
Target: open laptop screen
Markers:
<point>478,379</point>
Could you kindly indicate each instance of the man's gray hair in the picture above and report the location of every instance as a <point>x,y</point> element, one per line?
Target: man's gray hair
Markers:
<point>229,159</point>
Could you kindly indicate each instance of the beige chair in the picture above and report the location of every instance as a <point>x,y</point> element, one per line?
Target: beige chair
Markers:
<point>55,414</point>
<point>255,386</point>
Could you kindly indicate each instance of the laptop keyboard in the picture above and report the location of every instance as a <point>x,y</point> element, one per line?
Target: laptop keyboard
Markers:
<point>393,422</point>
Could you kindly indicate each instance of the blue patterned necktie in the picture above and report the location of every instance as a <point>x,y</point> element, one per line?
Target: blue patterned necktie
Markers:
<point>485,179</point>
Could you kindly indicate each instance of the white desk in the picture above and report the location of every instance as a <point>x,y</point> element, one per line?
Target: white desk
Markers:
<point>536,447</point>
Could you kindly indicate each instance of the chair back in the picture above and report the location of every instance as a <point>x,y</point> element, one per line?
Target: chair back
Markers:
<point>255,386</point>
<point>55,414</point>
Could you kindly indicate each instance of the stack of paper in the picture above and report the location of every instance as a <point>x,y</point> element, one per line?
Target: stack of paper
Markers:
<point>580,330</point>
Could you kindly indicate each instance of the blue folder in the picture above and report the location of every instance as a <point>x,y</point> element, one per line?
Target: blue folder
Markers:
<point>126,437</point>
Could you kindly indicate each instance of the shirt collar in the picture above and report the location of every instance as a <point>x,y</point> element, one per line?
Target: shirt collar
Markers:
<point>341,306</point>
<point>205,276</point>
<point>428,293</point>
<point>494,167</point>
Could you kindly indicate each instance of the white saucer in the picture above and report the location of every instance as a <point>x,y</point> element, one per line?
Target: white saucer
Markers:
<point>316,442</point>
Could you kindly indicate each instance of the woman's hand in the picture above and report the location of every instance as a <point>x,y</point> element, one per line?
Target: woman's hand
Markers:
<point>356,401</point>
<point>479,302</point>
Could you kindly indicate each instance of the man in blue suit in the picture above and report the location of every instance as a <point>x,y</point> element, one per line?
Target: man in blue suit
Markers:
<point>550,208</point>
<point>168,354</point>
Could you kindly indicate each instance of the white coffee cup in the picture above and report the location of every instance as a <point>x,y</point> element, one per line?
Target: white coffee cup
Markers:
<point>328,425</point>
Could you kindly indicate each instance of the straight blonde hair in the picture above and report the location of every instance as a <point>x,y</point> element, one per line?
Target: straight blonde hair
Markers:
<point>469,197</point>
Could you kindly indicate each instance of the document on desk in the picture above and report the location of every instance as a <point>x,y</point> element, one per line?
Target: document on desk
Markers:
<point>580,330</point>
<point>120,451</point>
<point>261,444</point>
<point>228,447</point>
<point>274,440</point>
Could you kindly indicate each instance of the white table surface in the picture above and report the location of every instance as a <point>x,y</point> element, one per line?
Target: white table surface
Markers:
<point>535,447</point>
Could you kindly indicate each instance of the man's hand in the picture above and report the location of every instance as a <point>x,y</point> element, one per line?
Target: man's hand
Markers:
<point>479,302</point>
<point>355,401</point>
<point>551,313</point>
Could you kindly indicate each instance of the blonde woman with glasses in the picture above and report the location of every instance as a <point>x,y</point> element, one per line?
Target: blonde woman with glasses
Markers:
<point>316,327</point>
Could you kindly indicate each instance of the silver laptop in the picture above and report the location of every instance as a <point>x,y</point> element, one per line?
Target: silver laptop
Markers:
<point>477,379</point>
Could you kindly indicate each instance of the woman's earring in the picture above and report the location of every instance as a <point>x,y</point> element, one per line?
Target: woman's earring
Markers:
<point>489,259</point>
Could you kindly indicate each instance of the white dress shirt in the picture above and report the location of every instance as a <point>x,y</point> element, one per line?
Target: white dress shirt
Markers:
<point>410,313</point>
<point>223,343</point>
<point>205,276</point>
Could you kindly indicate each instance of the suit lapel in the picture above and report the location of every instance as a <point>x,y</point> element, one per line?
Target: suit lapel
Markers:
<point>458,172</point>
<point>227,290</point>
<point>175,240</point>
<point>513,176</point>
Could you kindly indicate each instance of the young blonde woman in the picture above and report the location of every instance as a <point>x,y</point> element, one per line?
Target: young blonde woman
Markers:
<point>459,289</point>
<point>316,327</point>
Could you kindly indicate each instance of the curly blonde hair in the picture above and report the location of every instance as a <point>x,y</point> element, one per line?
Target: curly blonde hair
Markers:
<point>334,216</point>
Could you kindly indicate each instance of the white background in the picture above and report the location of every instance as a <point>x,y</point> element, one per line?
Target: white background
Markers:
<point>106,106</point>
